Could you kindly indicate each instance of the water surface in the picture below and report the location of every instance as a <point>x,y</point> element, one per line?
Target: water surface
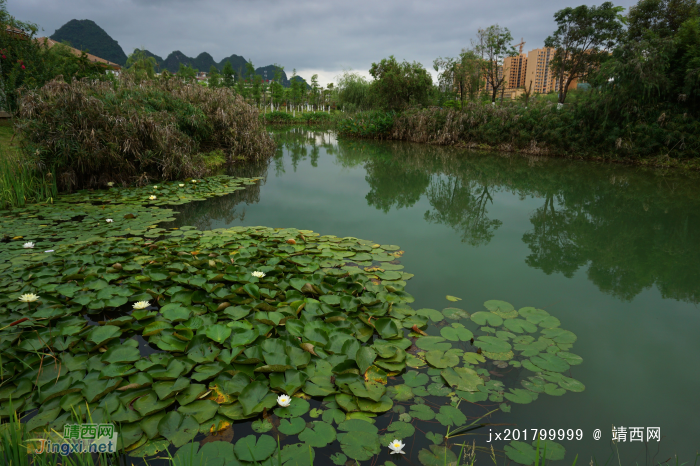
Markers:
<point>612,251</point>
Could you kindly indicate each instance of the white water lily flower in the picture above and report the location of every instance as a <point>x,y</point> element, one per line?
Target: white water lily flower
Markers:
<point>28,298</point>
<point>155,187</point>
<point>28,245</point>
<point>194,181</point>
<point>141,304</point>
<point>110,184</point>
<point>182,185</point>
<point>153,198</point>
<point>49,250</point>
<point>258,274</point>
<point>284,400</point>
<point>396,447</point>
<point>109,220</point>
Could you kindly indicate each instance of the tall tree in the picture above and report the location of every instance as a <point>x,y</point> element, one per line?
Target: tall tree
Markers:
<point>660,18</point>
<point>493,45</point>
<point>187,73</point>
<point>228,75</point>
<point>141,65</point>
<point>583,39</point>
<point>314,90</point>
<point>214,77</point>
<point>277,90</point>
<point>398,85</point>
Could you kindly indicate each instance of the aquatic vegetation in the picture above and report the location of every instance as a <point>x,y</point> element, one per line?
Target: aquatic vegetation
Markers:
<point>180,332</point>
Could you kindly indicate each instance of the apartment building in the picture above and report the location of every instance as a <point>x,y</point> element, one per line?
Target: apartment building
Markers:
<point>515,69</point>
<point>540,73</point>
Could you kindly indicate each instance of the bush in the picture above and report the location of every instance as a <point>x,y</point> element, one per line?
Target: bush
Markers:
<point>278,117</point>
<point>374,124</point>
<point>93,132</point>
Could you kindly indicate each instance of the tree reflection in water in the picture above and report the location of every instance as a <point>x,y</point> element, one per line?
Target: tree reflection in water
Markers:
<point>632,227</point>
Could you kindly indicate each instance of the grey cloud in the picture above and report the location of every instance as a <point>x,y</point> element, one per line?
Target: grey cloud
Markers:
<point>306,34</point>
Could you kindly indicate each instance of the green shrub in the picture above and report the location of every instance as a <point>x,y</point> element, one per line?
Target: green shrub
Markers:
<point>373,124</point>
<point>93,132</point>
<point>278,117</point>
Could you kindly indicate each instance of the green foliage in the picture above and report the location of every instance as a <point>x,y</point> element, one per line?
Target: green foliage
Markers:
<point>170,125</point>
<point>371,124</point>
<point>398,85</point>
<point>494,44</point>
<point>142,65</point>
<point>583,39</point>
<point>214,77</point>
<point>354,92</point>
<point>187,73</point>
<point>228,75</point>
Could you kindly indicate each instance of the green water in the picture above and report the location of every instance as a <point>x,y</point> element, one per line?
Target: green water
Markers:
<point>612,251</point>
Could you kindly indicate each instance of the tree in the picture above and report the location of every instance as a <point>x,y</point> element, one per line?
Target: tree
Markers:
<point>462,74</point>
<point>228,75</point>
<point>141,65</point>
<point>214,77</point>
<point>660,18</point>
<point>493,44</point>
<point>398,85</point>
<point>187,73</point>
<point>277,87</point>
<point>582,40</point>
<point>314,90</point>
<point>257,88</point>
<point>353,91</point>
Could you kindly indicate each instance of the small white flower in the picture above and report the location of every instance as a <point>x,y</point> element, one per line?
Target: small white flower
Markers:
<point>110,184</point>
<point>28,298</point>
<point>109,220</point>
<point>396,447</point>
<point>258,274</point>
<point>284,400</point>
<point>155,187</point>
<point>49,250</point>
<point>153,198</point>
<point>194,181</point>
<point>28,245</point>
<point>182,185</point>
<point>141,304</point>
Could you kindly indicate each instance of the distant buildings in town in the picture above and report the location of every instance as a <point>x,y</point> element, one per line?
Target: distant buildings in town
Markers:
<point>525,71</point>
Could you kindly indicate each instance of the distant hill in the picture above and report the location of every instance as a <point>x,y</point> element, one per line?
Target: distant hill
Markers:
<point>86,35</point>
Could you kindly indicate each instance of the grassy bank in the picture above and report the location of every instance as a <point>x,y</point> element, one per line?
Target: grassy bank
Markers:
<point>127,132</point>
<point>303,118</point>
<point>580,130</point>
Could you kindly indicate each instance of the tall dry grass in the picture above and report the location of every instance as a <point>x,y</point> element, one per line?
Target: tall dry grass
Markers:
<point>123,131</point>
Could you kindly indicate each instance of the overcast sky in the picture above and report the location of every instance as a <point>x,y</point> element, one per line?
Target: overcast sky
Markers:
<point>313,36</point>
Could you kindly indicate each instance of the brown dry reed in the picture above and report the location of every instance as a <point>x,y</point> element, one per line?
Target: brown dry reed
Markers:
<point>92,132</point>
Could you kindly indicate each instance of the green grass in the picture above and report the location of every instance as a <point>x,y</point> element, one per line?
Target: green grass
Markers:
<point>22,183</point>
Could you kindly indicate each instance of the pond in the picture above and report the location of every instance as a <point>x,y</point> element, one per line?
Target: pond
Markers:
<point>611,251</point>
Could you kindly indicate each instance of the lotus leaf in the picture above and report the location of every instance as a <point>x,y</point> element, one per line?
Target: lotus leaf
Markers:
<point>437,456</point>
<point>251,448</point>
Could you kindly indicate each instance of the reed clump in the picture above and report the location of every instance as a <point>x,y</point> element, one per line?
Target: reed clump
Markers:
<point>93,132</point>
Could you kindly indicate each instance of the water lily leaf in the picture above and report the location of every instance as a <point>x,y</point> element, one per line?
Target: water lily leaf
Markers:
<point>441,359</point>
<point>520,326</point>
<point>339,459</point>
<point>473,358</point>
<point>486,318</point>
<point>364,357</point>
<point>296,408</point>
<point>261,426</point>
<point>201,410</point>
<point>318,434</point>
<point>252,290</point>
<point>218,332</point>
<point>433,343</point>
<point>251,448</point>
<point>571,384</point>
<point>437,456</point>
<point>400,392</point>
<point>462,378</point>
<point>434,315</point>
<point>549,322</point>
<point>455,313</point>
<point>456,333</point>
<point>571,358</point>
<point>520,396</point>
<point>550,362</point>
<point>117,354</point>
<point>501,309</point>
<point>453,298</point>
<point>422,412</point>
<point>298,454</point>
<point>450,416</point>
<point>333,415</point>
<point>435,438</point>
<point>553,389</point>
<point>359,445</point>
<point>559,335</point>
<point>492,344</point>
<point>401,430</point>
<point>415,379</point>
<point>294,425</point>
<point>252,396</point>
<point>104,333</point>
